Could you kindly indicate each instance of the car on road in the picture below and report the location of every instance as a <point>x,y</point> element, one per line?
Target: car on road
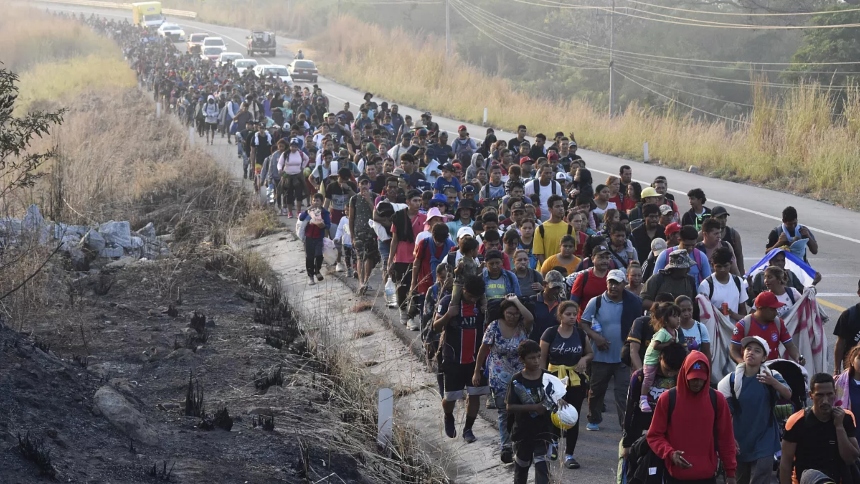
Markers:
<point>243,65</point>
<point>214,42</point>
<point>263,71</point>
<point>171,31</point>
<point>303,69</point>
<point>261,41</point>
<point>211,53</point>
<point>226,57</point>
<point>195,42</point>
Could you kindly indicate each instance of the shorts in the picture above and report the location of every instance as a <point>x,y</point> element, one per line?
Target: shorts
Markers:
<point>210,127</point>
<point>367,250</point>
<point>458,377</point>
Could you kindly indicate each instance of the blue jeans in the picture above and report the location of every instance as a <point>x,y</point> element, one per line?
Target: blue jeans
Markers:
<point>384,250</point>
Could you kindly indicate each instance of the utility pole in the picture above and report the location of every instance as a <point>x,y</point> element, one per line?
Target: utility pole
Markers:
<point>448,29</point>
<point>611,61</point>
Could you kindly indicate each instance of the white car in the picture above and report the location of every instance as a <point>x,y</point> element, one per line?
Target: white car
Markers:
<point>243,65</point>
<point>226,57</point>
<point>263,71</point>
<point>214,42</point>
<point>211,53</point>
<point>171,31</point>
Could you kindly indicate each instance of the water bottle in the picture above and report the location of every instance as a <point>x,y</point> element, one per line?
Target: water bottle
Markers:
<point>595,326</point>
<point>391,293</point>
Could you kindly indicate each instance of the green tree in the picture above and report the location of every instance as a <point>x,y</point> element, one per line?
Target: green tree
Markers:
<point>833,45</point>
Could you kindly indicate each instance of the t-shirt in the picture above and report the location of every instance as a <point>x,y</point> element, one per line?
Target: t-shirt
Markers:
<point>816,443</point>
<point>549,243</point>
<point>847,326</point>
<point>774,333</point>
<point>553,188</point>
<point>335,193</point>
<point>404,252</point>
<point>755,426</point>
<point>786,299</point>
<point>552,261</point>
<point>586,287</point>
<point>463,333</point>
<point>491,192</point>
<point>609,317</point>
<point>528,426</point>
<point>725,293</point>
<point>564,351</point>
<point>527,281</point>
<point>441,183</point>
<point>496,288</point>
<point>696,336</point>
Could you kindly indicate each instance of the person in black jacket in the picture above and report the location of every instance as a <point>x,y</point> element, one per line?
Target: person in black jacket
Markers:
<point>636,422</point>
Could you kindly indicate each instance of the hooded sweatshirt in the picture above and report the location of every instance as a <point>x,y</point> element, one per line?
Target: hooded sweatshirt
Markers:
<point>690,431</point>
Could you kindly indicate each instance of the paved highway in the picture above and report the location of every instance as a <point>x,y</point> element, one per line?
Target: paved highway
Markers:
<point>753,212</point>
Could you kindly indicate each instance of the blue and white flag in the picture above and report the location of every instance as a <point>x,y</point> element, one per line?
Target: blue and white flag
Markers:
<point>793,263</point>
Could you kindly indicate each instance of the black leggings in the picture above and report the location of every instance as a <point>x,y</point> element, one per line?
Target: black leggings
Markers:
<point>574,396</point>
<point>313,255</point>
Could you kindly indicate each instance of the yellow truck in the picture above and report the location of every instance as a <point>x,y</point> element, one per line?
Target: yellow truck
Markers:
<point>147,14</point>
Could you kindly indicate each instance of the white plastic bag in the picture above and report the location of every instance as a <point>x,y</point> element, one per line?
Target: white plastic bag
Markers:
<point>329,251</point>
<point>301,225</point>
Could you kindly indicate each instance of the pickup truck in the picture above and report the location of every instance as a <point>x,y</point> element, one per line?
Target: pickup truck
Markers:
<point>195,43</point>
<point>260,41</point>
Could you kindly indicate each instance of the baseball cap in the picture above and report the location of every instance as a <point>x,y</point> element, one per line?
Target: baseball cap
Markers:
<point>469,189</point>
<point>526,159</point>
<point>678,260</point>
<point>554,279</point>
<point>407,135</point>
<point>363,178</point>
<point>616,275</point>
<point>561,176</point>
<point>464,231</point>
<point>672,228</point>
<point>665,209</point>
<point>698,371</point>
<point>447,167</point>
<point>599,249</point>
<point>718,211</point>
<point>649,192</point>
<point>438,199</point>
<point>462,127</point>
<point>755,339</point>
<point>767,299</point>
<point>518,207</point>
<point>658,245</point>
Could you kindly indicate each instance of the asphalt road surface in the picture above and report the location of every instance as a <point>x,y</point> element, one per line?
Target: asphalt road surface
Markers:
<point>753,212</point>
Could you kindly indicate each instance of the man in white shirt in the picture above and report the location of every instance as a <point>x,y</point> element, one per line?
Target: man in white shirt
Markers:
<point>723,287</point>
<point>545,187</point>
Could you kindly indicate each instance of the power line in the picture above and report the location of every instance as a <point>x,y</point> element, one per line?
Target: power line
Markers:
<point>723,25</point>
<point>492,19</point>
<point>680,60</point>
<point>737,14</point>
<point>514,49</point>
<point>738,120</point>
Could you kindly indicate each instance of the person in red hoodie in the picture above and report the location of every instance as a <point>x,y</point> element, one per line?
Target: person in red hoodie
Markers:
<point>682,435</point>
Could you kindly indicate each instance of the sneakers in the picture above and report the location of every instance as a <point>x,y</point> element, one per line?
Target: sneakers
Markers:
<point>643,404</point>
<point>413,325</point>
<point>507,455</point>
<point>311,281</point>
<point>348,272</point>
<point>553,451</point>
<point>468,436</point>
<point>289,214</point>
<point>570,462</point>
<point>450,428</point>
<point>339,267</point>
<point>319,276</point>
<point>491,404</point>
<point>592,427</point>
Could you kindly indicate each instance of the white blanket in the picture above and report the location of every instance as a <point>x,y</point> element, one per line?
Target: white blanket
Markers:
<point>803,322</point>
